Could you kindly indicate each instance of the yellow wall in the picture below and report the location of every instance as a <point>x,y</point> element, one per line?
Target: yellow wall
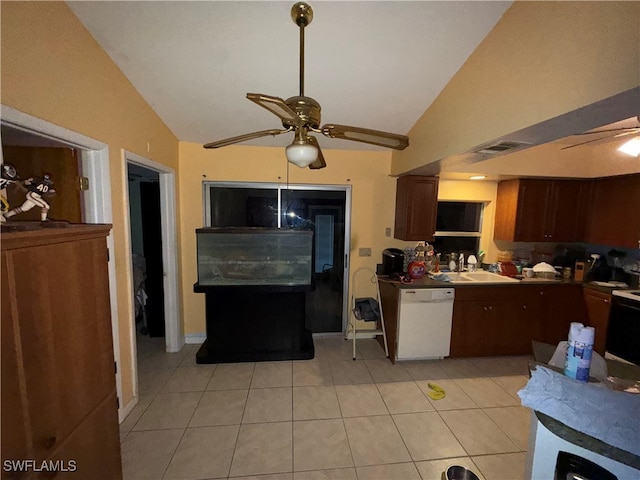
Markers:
<point>53,69</point>
<point>541,60</point>
<point>373,200</point>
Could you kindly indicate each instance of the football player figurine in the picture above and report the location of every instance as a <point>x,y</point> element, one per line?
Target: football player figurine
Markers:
<point>8,176</point>
<point>37,187</point>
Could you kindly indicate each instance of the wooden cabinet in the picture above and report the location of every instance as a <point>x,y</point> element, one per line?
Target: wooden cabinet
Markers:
<point>598,307</point>
<point>416,208</point>
<point>531,210</point>
<point>58,378</point>
<point>614,218</point>
<point>488,320</point>
<point>551,310</point>
<point>503,320</point>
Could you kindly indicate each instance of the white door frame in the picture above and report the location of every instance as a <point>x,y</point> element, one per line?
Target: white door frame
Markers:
<point>174,338</point>
<point>98,209</point>
<point>97,200</point>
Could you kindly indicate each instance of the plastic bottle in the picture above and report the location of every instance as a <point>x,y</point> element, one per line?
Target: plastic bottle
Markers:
<point>579,351</point>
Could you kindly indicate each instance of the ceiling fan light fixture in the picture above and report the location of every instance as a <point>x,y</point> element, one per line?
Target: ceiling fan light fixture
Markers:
<point>301,154</point>
<point>631,147</point>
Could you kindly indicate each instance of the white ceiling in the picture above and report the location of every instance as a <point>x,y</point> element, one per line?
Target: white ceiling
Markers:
<point>373,64</point>
<point>377,65</point>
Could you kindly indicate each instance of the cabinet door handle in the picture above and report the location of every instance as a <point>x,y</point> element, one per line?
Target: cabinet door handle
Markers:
<point>606,300</point>
<point>524,307</point>
<point>541,293</point>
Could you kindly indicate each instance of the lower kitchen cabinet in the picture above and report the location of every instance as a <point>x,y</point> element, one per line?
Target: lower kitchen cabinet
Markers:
<point>492,325</point>
<point>58,379</point>
<point>503,320</point>
<point>598,306</point>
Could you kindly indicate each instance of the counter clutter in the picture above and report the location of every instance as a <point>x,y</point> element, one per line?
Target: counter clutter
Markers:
<point>494,317</point>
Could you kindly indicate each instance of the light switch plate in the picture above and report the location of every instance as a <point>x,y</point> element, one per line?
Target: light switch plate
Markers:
<point>387,232</point>
<point>364,252</point>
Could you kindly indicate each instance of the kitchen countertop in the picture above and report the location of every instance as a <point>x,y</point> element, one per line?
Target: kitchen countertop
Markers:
<point>427,282</point>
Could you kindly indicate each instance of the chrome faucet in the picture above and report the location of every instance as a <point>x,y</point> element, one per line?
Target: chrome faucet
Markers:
<point>461,262</point>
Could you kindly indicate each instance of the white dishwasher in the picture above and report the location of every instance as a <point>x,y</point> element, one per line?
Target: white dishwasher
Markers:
<point>424,323</point>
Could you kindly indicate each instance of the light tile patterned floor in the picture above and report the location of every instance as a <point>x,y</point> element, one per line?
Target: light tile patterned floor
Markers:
<point>326,418</point>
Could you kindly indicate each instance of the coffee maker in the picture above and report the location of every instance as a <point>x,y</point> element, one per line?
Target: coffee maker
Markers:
<point>392,261</point>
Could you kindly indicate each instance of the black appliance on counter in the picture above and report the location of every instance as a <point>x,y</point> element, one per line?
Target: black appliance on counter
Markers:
<point>392,261</point>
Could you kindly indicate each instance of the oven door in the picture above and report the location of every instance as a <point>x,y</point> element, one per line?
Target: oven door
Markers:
<point>623,336</point>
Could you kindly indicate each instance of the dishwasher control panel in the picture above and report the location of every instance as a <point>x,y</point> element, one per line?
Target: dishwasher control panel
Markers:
<point>426,295</point>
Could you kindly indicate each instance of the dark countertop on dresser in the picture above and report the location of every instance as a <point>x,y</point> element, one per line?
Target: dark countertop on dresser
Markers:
<point>542,353</point>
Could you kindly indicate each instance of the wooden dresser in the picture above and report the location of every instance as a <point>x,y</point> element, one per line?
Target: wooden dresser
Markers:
<point>59,403</point>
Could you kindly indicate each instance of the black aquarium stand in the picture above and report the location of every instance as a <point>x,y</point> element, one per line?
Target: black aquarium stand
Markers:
<point>255,324</point>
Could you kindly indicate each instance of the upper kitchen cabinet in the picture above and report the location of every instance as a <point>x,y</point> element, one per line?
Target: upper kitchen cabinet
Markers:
<point>416,208</point>
<point>532,210</point>
<point>614,217</point>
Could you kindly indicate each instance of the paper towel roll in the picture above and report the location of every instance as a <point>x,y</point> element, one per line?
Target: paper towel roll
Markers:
<point>579,352</point>
<point>574,330</point>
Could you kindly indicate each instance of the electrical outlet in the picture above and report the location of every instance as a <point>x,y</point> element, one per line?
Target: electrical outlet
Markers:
<point>387,232</point>
<point>364,252</point>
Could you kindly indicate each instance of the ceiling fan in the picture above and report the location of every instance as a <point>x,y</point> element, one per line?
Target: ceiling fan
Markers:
<point>301,115</point>
<point>623,131</point>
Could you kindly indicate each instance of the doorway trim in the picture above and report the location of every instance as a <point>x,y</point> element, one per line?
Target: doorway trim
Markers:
<point>97,200</point>
<point>174,338</point>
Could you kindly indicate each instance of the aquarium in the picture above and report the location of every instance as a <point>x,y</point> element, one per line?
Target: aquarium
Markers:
<point>254,256</point>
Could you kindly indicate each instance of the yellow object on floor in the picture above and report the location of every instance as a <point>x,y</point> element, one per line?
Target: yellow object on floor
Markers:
<point>438,391</point>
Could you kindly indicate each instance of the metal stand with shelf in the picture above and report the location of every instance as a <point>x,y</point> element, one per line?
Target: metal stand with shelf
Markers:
<point>379,317</point>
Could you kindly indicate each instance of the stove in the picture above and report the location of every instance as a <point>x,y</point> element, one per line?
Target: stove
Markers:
<point>623,334</point>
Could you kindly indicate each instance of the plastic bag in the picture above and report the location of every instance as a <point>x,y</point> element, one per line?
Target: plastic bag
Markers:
<point>366,309</point>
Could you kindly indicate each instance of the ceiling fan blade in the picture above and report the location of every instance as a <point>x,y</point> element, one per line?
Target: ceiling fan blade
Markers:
<point>244,138</point>
<point>633,130</point>
<point>597,140</point>
<point>277,106</point>
<point>319,163</point>
<point>365,135</point>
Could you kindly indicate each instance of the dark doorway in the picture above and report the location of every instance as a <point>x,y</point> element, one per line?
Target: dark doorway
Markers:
<point>146,247</point>
<point>152,243</point>
<point>324,212</point>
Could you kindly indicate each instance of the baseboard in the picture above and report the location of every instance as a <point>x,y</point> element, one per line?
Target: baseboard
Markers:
<point>195,338</point>
<point>126,410</point>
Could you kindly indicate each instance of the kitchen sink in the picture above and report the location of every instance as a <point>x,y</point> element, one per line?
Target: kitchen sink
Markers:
<point>480,277</point>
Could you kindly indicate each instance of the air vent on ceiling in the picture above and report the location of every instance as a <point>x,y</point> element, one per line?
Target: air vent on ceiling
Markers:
<point>500,147</point>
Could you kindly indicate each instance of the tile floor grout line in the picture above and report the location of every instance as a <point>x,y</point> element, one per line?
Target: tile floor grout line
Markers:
<point>481,373</point>
<point>183,433</point>
<point>235,444</point>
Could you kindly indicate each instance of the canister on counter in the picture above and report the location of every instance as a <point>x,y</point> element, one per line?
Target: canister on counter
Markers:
<point>579,272</point>
<point>566,273</point>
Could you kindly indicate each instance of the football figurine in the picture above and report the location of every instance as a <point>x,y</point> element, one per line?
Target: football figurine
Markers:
<point>37,188</point>
<point>8,176</point>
